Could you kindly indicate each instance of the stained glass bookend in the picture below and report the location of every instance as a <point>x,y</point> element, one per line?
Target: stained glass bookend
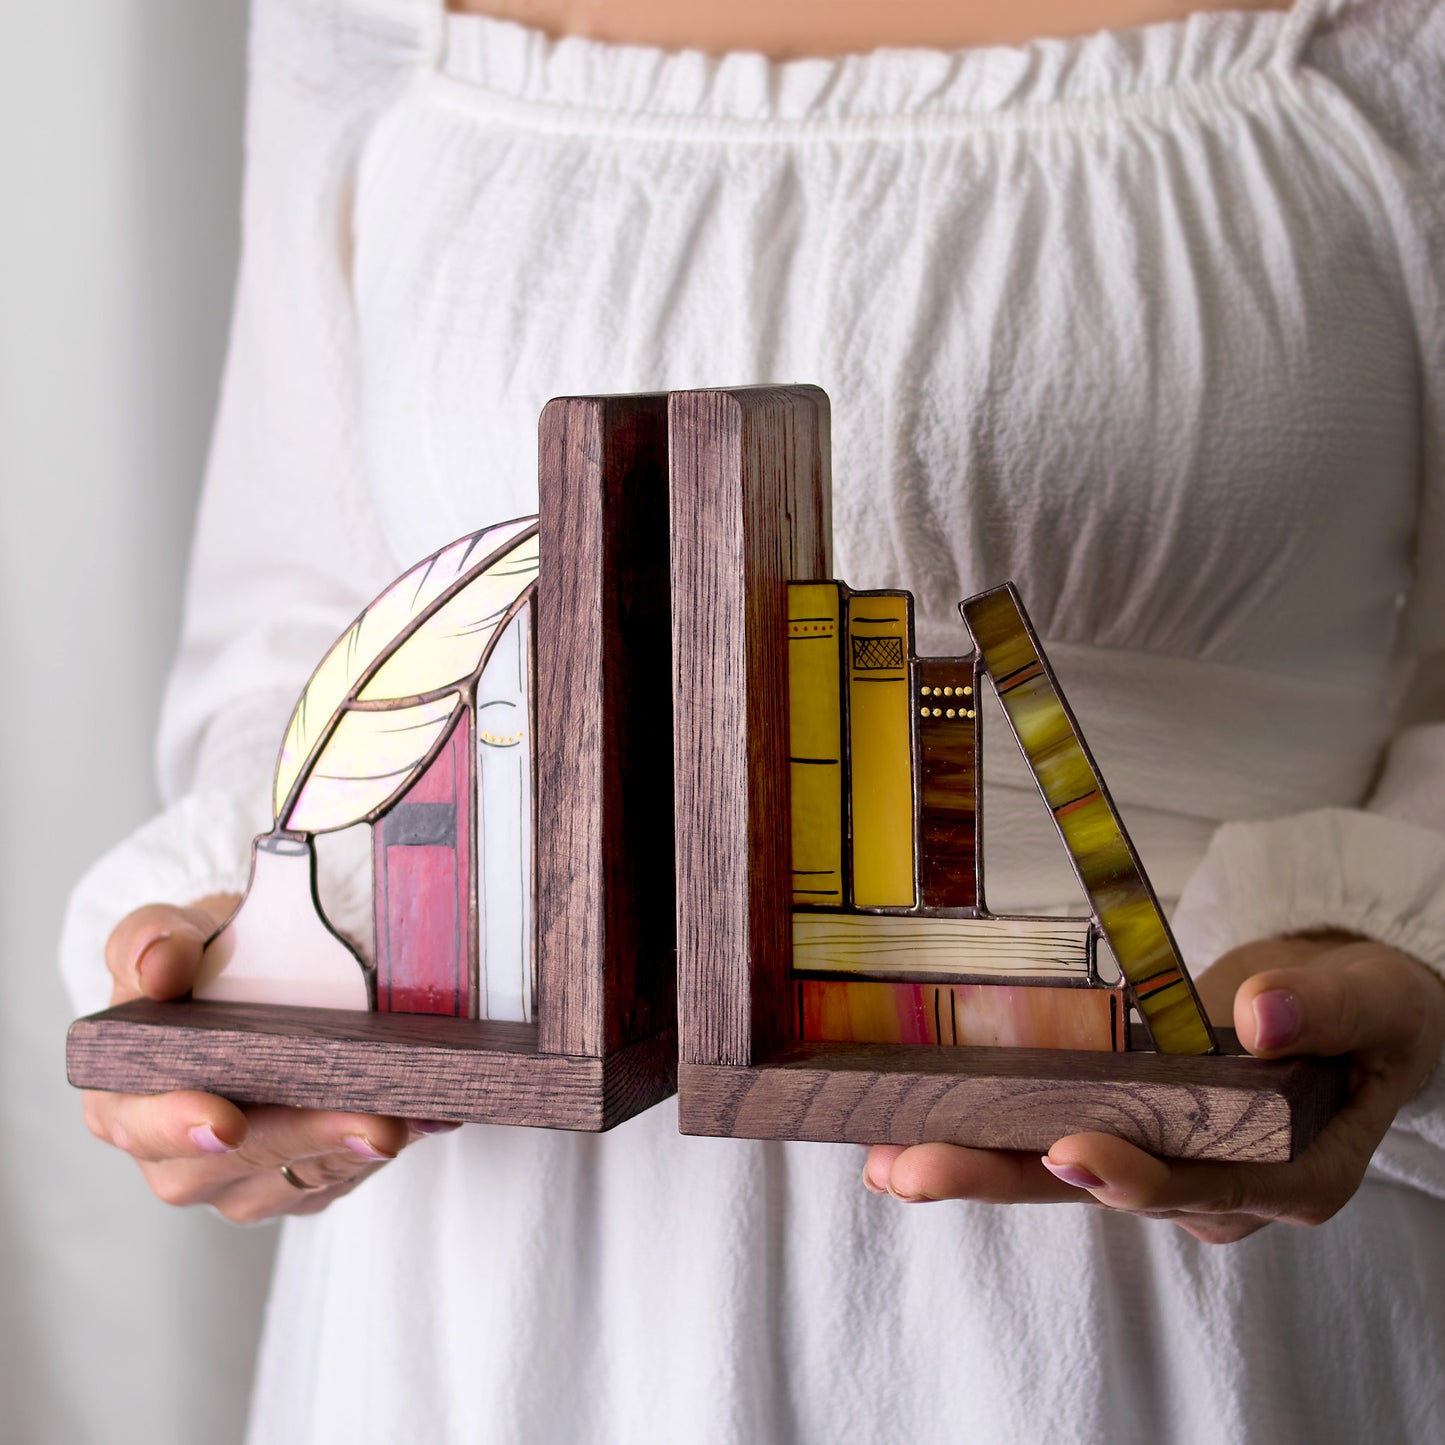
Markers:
<point>520,975</point>
<point>840,976</point>
<point>757,876</point>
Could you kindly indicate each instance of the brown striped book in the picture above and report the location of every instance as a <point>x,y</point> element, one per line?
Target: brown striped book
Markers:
<point>946,732</point>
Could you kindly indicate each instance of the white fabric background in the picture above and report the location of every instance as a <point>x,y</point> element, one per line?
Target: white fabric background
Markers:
<point>120,150</point>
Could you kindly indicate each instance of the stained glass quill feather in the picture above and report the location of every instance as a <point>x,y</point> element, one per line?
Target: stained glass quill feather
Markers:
<point>370,721</point>
<point>385,695</point>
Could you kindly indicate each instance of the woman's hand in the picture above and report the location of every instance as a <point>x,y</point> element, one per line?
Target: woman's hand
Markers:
<point>1325,994</point>
<point>196,1148</point>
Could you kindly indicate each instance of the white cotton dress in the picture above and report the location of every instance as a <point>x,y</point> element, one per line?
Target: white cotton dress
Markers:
<point>1150,322</point>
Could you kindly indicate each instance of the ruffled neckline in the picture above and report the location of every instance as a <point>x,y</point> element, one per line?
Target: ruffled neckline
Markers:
<point>983,85</point>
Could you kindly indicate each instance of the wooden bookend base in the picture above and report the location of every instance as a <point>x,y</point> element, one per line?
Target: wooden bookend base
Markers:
<point>1229,1107</point>
<point>410,1065</point>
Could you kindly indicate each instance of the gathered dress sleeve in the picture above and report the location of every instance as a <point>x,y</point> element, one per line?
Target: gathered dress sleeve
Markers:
<point>1377,870</point>
<point>287,549</point>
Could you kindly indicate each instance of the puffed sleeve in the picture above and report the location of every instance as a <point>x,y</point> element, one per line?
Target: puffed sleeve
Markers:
<point>1377,74</point>
<point>287,549</point>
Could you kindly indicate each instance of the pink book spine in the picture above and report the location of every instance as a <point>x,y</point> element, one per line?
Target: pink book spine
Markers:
<point>422,862</point>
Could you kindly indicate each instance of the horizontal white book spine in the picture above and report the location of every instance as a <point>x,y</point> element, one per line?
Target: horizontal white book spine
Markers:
<point>912,945</point>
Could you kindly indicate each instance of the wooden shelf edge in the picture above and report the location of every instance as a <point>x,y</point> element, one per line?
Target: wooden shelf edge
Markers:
<point>405,1065</point>
<point>1224,1108</point>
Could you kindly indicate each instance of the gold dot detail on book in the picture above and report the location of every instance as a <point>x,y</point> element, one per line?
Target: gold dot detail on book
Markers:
<point>962,713</point>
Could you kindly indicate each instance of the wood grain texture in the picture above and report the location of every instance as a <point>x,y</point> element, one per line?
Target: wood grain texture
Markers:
<point>605,908</point>
<point>1225,1107</point>
<point>750,511</point>
<point>410,1065</point>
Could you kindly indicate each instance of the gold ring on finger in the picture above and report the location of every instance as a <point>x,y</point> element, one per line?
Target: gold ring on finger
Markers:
<point>294,1180</point>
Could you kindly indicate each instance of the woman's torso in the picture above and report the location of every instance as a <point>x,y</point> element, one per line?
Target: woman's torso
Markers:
<point>837,27</point>
<point>1121,319</point>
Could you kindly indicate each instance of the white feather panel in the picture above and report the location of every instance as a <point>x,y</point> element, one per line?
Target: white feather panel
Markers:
<point>425,635</point>
<point>449,645</point>
<point>369,757</point>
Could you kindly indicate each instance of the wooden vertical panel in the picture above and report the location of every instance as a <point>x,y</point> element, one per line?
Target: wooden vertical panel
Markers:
<point>637,823</point>
<point>806,425</point>
<point>749,512</point>
<point>604,799</point>
<point>568,731</point>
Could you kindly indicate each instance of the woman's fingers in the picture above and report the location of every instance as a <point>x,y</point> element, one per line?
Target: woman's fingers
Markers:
<point>156,950</point>
<point>947,1171</point>
<point>878,1167</point>
<point>280,1136</point>
<point>332,1146</point>
<point>1324,995</point>
<point>327,1151</point>
<point>185,1124</point>
<point>1218,985</point>
<point>260,1194</point>
<point>1118,1175</point>
<point>1310,1190</point>
<point>196,1148</point>
<point>264,1192</point>
<point>1216,1202</point>
<point>258,1200</point>
<point>188,1125</point>
<point>1357,999</point>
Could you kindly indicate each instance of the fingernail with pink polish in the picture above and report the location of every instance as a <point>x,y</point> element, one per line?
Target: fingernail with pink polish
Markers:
<point>205,1137</point>
<point>433,1126</point>
<point>360,1145</point>
<point>138,962</point>
<point>1278,1019</point>
<point>1074,1174</point>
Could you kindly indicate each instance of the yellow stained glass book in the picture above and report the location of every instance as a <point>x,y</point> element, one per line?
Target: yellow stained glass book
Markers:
<point>900,948</point>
